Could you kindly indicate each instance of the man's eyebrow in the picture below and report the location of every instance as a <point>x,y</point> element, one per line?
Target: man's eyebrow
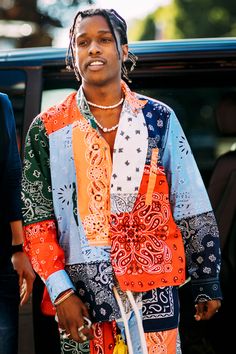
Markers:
<point>104,31</point>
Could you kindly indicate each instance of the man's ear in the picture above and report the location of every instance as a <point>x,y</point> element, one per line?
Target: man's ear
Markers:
<point>125,50</point>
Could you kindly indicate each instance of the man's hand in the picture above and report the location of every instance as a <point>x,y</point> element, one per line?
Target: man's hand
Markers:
<point>205,310</point>
<point>71,313</point>
<point>26,274</point>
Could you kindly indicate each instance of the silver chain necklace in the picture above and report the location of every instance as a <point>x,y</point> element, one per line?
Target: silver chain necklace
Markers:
<point>106,107</point>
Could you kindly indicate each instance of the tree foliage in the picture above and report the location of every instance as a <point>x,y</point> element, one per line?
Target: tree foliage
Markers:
<point>45,15</point>
<point>148,29</point>
<point>206,18</point>
<point>62,9</point>
<point>189,19</point>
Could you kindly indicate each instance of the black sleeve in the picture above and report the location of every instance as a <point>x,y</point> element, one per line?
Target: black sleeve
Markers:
<point>12,162</point>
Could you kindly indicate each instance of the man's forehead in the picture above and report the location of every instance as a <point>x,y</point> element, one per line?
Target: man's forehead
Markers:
<point>96,20</point>
<point>94,24</point>
<point>99,32</point>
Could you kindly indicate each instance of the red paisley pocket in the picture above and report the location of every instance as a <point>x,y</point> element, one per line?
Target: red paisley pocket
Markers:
<point>147,247</point>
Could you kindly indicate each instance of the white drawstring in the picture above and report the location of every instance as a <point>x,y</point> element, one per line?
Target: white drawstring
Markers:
<point>124,318</point>
<point>138,319</point>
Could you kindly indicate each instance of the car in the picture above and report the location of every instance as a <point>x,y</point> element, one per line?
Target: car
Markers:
<point>194,77</point>
<point>189,75</point>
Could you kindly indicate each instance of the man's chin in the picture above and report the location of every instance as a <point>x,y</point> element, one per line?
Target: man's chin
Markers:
<point>100,81</point>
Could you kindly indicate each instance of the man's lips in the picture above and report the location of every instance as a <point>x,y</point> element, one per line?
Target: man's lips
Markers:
<point>95,64</point>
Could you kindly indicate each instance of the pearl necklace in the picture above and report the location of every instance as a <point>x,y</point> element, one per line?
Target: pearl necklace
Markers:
<point>104,129</point>
<point>106,107</point>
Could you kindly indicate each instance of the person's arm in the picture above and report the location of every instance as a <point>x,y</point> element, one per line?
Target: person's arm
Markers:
<point>41,241</point>
<point>17,232</point>
<point>21,262</point>
<point>12,172</point>
<point>193,214</point>
<point>13,203</point>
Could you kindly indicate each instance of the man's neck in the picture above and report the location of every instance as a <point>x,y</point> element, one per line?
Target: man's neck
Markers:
<point>104,95</point>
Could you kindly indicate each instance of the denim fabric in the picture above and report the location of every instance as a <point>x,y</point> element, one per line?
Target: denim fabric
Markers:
<point>9,310</point>
<point>134,332</point>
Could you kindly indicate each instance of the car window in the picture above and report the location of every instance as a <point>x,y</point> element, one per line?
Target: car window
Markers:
<point>196,109</point>
<point>54,96</point>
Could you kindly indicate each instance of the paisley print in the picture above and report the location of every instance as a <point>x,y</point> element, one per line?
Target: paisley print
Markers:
<point>163,342</point>
<point>94,285</point>
<point>147,248</point>
<point>129,201</point>
<point>91,154</point>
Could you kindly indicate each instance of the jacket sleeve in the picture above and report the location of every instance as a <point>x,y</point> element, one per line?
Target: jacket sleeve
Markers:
<point>12,170</point>
<point>41,239</point>
<point>193,213</point>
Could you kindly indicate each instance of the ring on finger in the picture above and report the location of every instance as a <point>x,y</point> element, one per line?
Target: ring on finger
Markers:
<point>87,321</point>
<point>80,329</point>
<point>65,335</point>
<point>82,336</point>
<point>61,330</point>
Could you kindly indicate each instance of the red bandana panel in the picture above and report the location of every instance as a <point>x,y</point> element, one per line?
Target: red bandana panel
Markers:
<point>147,246</point>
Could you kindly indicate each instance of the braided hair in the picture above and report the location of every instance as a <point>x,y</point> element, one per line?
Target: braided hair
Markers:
<point>115,22</point>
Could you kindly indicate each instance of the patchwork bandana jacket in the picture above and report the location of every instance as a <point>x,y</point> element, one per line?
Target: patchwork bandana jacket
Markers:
<point>137,220</point>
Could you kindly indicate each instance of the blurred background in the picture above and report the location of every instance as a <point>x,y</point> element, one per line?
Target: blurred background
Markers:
<point>36,23</point>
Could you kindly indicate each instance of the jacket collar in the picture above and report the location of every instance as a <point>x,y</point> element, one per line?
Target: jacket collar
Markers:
<point>131,99</point>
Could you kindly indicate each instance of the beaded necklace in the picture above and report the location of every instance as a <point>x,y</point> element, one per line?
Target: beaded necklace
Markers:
<point>104,129</point>
<point>106,107</point>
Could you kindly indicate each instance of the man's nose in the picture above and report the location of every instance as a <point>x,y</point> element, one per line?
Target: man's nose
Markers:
<point>94,48</point>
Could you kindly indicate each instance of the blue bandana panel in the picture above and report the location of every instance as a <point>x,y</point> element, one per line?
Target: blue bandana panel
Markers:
<point>160,309</point>
<point>94,285</point>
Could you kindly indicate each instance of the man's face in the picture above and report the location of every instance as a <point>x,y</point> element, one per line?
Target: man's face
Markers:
<point>96,55</point>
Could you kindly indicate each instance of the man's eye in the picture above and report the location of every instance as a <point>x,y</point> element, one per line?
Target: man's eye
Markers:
<point>82,43</point>
<point>106,40</point>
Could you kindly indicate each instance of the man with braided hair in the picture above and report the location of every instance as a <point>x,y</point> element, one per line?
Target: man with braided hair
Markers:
<point>113,206</point>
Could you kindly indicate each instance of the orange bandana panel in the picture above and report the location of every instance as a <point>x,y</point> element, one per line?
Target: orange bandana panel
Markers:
<point>147,246</point>
<point>93,172</point>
